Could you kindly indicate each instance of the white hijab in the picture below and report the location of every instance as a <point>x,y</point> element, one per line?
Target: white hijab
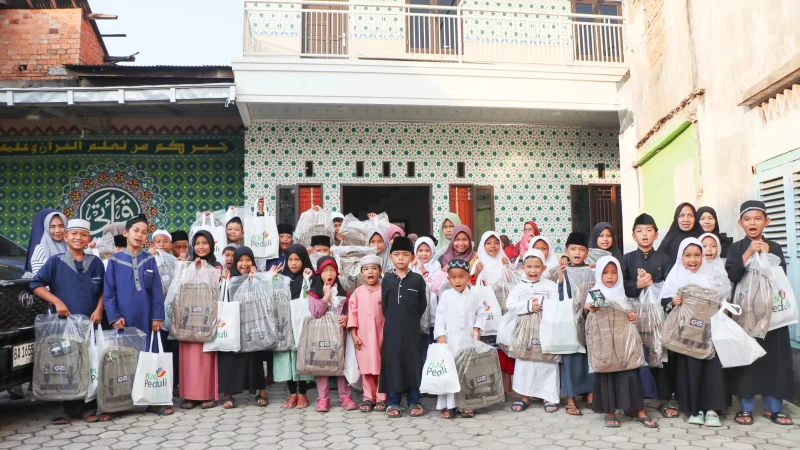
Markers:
<point>719,275</point>
<point>551,262</point>
<point>680,276</point>
<point>492,265</point>
<point>433,266</point>
<point>51,246</point>
<point>614,294</point>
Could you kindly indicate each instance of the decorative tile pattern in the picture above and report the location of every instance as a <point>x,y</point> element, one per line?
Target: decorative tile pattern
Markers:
<point>378,22</point>
<point>275,20</point>
<point>530,167</point>
<point>518,22</point>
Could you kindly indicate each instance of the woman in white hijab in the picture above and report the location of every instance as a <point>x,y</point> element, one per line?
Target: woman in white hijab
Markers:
<point>52,242</point>
<point>698,382</point>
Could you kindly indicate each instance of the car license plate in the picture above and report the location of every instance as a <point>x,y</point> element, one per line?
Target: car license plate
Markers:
<point>22,355</point>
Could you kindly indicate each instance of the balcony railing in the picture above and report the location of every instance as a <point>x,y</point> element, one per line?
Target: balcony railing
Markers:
<point>394,30</point>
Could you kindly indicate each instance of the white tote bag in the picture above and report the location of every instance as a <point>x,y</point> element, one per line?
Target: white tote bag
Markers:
<point>261,235</point>
<point>505,330</point>
<point>227,338</point>
<point>784,302</point>
<point>96,342</point>
<point>351,372</point>
<point>217,232</point>
<point>733,345</point>
<point>439,372</point>
<point>299,313</point>
<point>492,306</point>
<point>152,385</point>
<point>557,332</point>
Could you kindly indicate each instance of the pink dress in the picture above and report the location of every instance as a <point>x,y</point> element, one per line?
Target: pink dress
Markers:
<point>198,372</point>
<point>366,314</point>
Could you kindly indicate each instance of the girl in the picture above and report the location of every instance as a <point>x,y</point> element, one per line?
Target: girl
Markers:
<point>603,238</point>
<point>425,264</point>
<point>707,217</point>
<point>52,242</point>
<point>322,293</point>
<point>228,252</point>
<point>616,390</point>
<point>365,322</point>
<point>198,369</point>
<point>284,364</point>
<point>711,251</point>
<point>234,231</point>
<point>530,228</point>
<point>684,225</point>
<point>551,262</point>
<point>451,220</point>
<point>378,241</point>
<point>460,248</point>
<point>393,232</point>
<point>242,371</point>
<point>698,382</point>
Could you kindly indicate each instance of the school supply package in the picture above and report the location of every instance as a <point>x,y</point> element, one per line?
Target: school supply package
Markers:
<point>784,302</point>
<point>733,345</point>
<point>427,320</point>
<point>261,235</point>
<point>595,254</point>
<point>104,246</point>
<point>525,343</point>
<point>152,385</point>
<point>321,348</point>
<point>650,317</point>
<point>612,340</point>
<point>754,295</point>
<point>217,229</point>
<point>354,232</point>
<point>687,329</point>
<point>558,331</point>
<point>167,266</point>
<point>227,337</point>
<point>281,297</point>
<point>348,258</point>
<point>119,360</point>
<point>581,280</point>
<point>314,222</point>
<point>505,332</point>
<point>479,376</point>
<point>258,319</point>
<point>439,374</point>
<point>192,303</point>
<point>61,358</point>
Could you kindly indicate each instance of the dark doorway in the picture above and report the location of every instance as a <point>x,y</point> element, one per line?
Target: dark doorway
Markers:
<point>594,204</point>
<point>407,206</point>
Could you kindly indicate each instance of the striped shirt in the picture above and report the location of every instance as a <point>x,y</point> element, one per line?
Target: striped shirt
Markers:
<point>39,258</point>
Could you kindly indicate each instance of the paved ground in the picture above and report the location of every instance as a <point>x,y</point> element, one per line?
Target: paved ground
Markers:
<point>25,424</point>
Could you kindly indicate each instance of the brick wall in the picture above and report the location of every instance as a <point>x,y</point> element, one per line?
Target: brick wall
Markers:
<point>654,31</point>
<point>42,39</point>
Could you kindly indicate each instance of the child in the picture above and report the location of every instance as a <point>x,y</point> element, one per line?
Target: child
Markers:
<point>446,232</point>
<point>234,231</point>
<point>536,379</point>
<point>338,220</point>
<point>640,269</point>
<point>377,240</point>
<point>73,283</point>
<point>228,253</point>
<point>460,317</point>
<point>424,263</point>
<point>575,377</point>
<point>616,390</point>
<point>299,270</point>
<point>180,243</point>
<point>403,299</point>
<point>320,244</point>
<point>772,375</point>
<point>365,322</point>
<point>711,253</point>
<point>162,240</point>
<point>321,295</point>
<point>120,243</point>
<point>698,382</point>
<point>603,239</point>
<point>393,231</point>
<point>460,247</point>
<point>551,261</point>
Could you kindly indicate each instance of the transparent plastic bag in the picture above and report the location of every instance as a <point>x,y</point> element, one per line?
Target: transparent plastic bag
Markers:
<point>349,260</point>
<point>525,342</point>
<point>321,348</point>
<point>280,301</point>
<point>314,222</point>
<point>687,329</point>
<point>479,375</point>
<point>733,345</point>
<point>754,295</point>
<point>650,317</point>
<point>61,358</point>
<point>167,266</point>
<point>105,246</point>
<point>119,359</point>
<point>612,340</point>
<point>581,280</point>
<point>502,287</point>
<point>426,321</point>
<point>192,302</point>
<point>378,222</point>
<point>354,232</point>
<point>315,257</point>
<point>505,332</point>
<point>595,254</point>
<point>257,326</point>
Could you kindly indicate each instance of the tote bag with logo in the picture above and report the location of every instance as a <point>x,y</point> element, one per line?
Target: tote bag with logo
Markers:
<point>152,385</point>
<point>227,338</point>
<point>784,302</point>
<point>439,374</point>
<point>261,235</point>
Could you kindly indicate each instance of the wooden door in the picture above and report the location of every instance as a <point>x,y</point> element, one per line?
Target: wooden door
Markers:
<point>309,196</point>
<point>325,29</point>
<point>461,204</point>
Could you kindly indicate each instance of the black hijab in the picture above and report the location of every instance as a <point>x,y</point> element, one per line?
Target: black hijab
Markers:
<point>296,284</point>
<point>724,240</point>
<point>210,258</point>
<point>596,234</point>
<point>672,241</point>
<point>237,254</point>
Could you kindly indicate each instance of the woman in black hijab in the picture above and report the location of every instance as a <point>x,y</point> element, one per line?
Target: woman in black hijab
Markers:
<point>608,245</point>
<point>684,225</point>
<point>707,217</point>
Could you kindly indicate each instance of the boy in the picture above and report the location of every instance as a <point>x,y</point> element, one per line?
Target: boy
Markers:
<point>338,219</point>
<point>404,300</point>
<point>161,241</point>
<point>572,278</point>
<point>75,282</point>
<point>180,243</point>
<point>320,244</point>
<point>772,375</point>
<point>460,317</point>
<point>640,269</point>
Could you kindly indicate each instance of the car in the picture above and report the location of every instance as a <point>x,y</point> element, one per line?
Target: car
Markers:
<point>11,253</point>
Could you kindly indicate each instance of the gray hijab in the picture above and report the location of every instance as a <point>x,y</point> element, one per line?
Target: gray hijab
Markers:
<point>50,246</point>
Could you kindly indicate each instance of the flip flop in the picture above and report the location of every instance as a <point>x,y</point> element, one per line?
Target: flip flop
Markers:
<point>467,414</point>
<point>90,416</point>
<point>209,404</point>
<point>662,408</point>
<point>774,417</point>
<point>448,414</point>
<point>380,407</point>
<point>647,422</point>
<point>416,407</point>
<point>291,402</point>
<point>611,421</point>
<point>520,405</point>
<point>259,398</point>
<point>188,404</point>
<point>229,403</point>
<point>552,406</point>
<point>392,409</point>
<point>740,416</point>
<point>63,419</point>
<point>573,408</point>
<point>367,406</point>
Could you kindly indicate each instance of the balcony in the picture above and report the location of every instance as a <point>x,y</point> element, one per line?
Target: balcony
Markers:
<point>511,62</point>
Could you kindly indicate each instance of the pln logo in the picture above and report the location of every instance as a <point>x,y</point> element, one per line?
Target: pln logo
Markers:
<point>779,302</point>
<point>261,240</point>
<point>156,380</point>
<point>486,306</point>
<point>265,235</point>
<point>436,368</point>
<point>160,372</point>
<point>220,323</point>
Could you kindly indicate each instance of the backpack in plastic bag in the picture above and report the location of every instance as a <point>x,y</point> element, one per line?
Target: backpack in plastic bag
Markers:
<point>119,359</point>
<point>581,280</point>
<point>595,254</point>
<point>503,286</point>
<point>354,232</point>
<point>321,348</point>
<point>650,317</point>
<point>61,358</point>
<point>258,319</point>
<point>612,341</point>
<point>754,295</point>
<point>194,306</point>
<point>314,222</point>
<point>280,301</point>
<point>688,327</point>
<point>104,246</point>
<point>479,375</point>
<point>426,321</point>
<point>167,266</point>
<point>349,260</point>
<point>525,342</point>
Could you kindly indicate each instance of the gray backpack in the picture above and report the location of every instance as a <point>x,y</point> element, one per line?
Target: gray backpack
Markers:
<point>479,374</point>
<point>194,312</point>
<point>61,358</point>
<point>321,349</point>
<point>118,362</point>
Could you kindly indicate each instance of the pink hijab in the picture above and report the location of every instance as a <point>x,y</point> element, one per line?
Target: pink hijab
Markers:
<point>523,244</point>
<point>451,252</point>
<point>392,230</point>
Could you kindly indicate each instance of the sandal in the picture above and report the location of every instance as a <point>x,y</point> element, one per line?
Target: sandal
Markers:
<point>106,417</point>
<point>647,422</point>
<point>775,417</point>
<point>416,411</point>
<point>90,416</point>
<point>394,412</point>
<point>664,407</point>
<point>519,406</point>
<point>573,410</point>
<point>712,420</point>
<point>63,419</point>
<point>230,403</point>
<point>291,403</point>
<point>323,405</point>
<point>380,407</point>
<point>160,410</point>
<point>467,414</point>
<point>348,404</point>
<point>211,403</point>
<point>550,407</point>
<point>612,421</point>
<point>302,402</point>
<point>261,401</point>
<point>743,418</point>
<point>448,414</point>
<point>367,406</point>
<point>188,404</point>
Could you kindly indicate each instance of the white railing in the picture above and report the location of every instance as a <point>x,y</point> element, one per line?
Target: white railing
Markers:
<point>394,30</point>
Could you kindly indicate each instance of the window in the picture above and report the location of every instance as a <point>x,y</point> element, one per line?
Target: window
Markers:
<point>411,169</point>
<point>309,168</point>
<point>387,169</point>
<point>359,169</point>
<point>310,195</point>
<point>597,39</point>
<point>287,205</point>
<point>461,170</point>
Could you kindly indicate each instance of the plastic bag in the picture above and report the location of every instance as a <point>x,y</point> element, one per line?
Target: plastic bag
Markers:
<point>733,345</point>
<point>480,377</point>
<point>118,362</point>
<point>426,321</point>
<point>558,331</point>
<point>595,254</point>
<point>612,340</point>
<point>754,295</point>
<point>314,222</point>
<point>581,280</point>
<point>280,301</point>
<point>152,385</point>
<point>96,342</point>
<point>227,338</point>
<point>526,344</point>
<point>299,311</point>
<point>315,257</point>
<point>349,260</point>
<point>258,320</point>
<point>167,266</point>
<point>61,358</point>
<point>784,302</point>
<point>217,230</point>
<point>502,287</point>
<point>505,332</point>
<point>354,232</point>
<point>439,374</point>
<point>487,298</point>
<point>650,317</point>
<point>261,236</point>
<point>351,372</point>
<point>321,349</point>
<point>687,329</point>
<point>193,305</point>
<point>104,246</point>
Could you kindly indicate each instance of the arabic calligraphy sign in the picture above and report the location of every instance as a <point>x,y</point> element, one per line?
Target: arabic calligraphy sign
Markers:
<point>118,145</point>
<point>108,205</point>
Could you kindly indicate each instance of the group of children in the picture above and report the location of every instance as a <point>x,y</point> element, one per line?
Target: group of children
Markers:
<point>383,314</point>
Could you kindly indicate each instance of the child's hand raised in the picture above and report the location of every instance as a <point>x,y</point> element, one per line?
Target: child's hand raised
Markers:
<point>307,273</point>
<point>226,274</point>
<point>505,260</point>
<point>478,268</point>
<point>253,271</point>
<point>677,300</point>
<point>326,290</point>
